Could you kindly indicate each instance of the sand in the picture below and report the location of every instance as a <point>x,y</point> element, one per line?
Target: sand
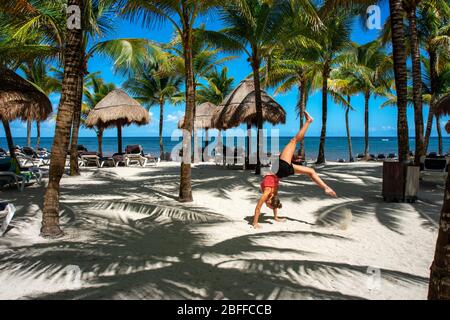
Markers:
<point>128,238</point>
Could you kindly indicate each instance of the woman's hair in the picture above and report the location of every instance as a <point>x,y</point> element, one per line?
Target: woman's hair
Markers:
<point>275,202</point>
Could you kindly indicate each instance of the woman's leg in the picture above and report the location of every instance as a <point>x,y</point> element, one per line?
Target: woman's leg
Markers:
<point>314,177</point>
<point>289,149</point>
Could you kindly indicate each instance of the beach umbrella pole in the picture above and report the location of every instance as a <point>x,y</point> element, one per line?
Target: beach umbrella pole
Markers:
<point>119,138</point>
<point>247,153</point>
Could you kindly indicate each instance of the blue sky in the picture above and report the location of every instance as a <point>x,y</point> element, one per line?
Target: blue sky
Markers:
<point>382,121</point>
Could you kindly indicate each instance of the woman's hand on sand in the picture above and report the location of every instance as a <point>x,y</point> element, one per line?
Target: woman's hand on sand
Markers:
<point>330,192</point>
<point>309,119</point>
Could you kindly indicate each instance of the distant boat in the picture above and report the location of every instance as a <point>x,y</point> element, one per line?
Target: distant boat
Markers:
<point>384,139</point>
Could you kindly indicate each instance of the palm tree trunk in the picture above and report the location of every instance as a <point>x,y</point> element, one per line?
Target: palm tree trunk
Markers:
<point>69,96</point>
<point>417,86</point>
<point>439,134</point>
<point>366,124</point>
<point>302,108</point>
<point>9,138</point>
<point>323,133</point>
<point>119,138</point>
<point>38,136</point>
<point>439,286</point>
<point>29,133</point>
<point>349,139</point>
<point>258,103</point>
<point>249,135</point>
<point>433,77</point>
<point>185,194</point>
<point>100,141</point>
<point>399,52</point>
<point>74,170</point>
<point>161,123</point>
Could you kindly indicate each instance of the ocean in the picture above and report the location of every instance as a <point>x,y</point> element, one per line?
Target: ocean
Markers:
<point>335,147</point>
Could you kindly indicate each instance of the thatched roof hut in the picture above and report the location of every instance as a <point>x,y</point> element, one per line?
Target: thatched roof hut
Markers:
<point>203,116</point>
<point>240,107</point>
<point>20,99</point>
<point>117,109</point>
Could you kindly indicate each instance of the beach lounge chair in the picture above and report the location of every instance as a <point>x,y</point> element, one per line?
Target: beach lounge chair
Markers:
<point>41,158</point>
<point>10,174</point>
<point>135,154</point>
<point>381,157</point>
<point>434,166</point>
<point>89,158</point>
<point>3,152</point>
<point>359,156</point>
<point>7,211</point>
<point>392,156</point>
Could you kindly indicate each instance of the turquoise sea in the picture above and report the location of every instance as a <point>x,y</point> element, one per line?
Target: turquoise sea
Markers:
<point>336,147</point>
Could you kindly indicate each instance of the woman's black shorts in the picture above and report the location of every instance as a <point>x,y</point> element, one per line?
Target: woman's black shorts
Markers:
<point>285,169</point>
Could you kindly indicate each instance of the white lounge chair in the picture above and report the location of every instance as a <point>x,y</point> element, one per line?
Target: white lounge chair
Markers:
<point>7,213</point>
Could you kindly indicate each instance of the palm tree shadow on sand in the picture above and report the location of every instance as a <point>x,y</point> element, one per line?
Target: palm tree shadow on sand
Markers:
<point>144,245</point>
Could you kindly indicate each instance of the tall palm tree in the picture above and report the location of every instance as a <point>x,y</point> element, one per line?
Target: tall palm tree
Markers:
<point>154,87</point>
<point>410,7</point>
<point>399,57</point>
<point>182,14</point>
<point>73,67</point>
<point>251,26</point>
<point>370,69</point>
<point>38,73</point>
<point>342,85</point>
<point>95,90</point>
<point>332,41</point>
<point>432,24</point>
<point>436,83</point>
<point>289,65</point>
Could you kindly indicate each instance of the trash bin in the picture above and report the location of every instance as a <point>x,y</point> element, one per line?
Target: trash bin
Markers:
<point>400,182</point>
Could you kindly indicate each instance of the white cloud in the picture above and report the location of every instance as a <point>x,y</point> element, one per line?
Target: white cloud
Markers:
<point>175,117</point>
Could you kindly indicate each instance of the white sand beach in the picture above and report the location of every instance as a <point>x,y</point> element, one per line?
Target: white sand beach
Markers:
<point>129,238</point>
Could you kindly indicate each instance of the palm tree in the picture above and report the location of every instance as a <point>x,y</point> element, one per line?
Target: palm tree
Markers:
<point>251,27</point>
<point>410,7</point>
<point>290,63</point>
<point>38,73</point>
<point>182,14</point>
<point>370,69</point>
<point>436,83</point>
<point>432,24</point>
<point>332,41</point>
<point>399,57</point>
<point>95,90</point>
<point>217,87</point>
<point>73,66</point>
<point>342,85</point>
<point>153,87</point>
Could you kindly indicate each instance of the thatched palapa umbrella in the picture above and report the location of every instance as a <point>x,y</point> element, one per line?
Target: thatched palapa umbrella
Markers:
<point>203,116</point>
<point>203,119</point>
<point>20,99</point>
<point>117,109</point>
<point>240,107</point>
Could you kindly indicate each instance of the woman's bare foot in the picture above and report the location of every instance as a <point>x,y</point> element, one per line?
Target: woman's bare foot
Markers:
<point>279,219</point>
<point>256,226</point>
<point>330,192</point>
<point>308,117</point>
